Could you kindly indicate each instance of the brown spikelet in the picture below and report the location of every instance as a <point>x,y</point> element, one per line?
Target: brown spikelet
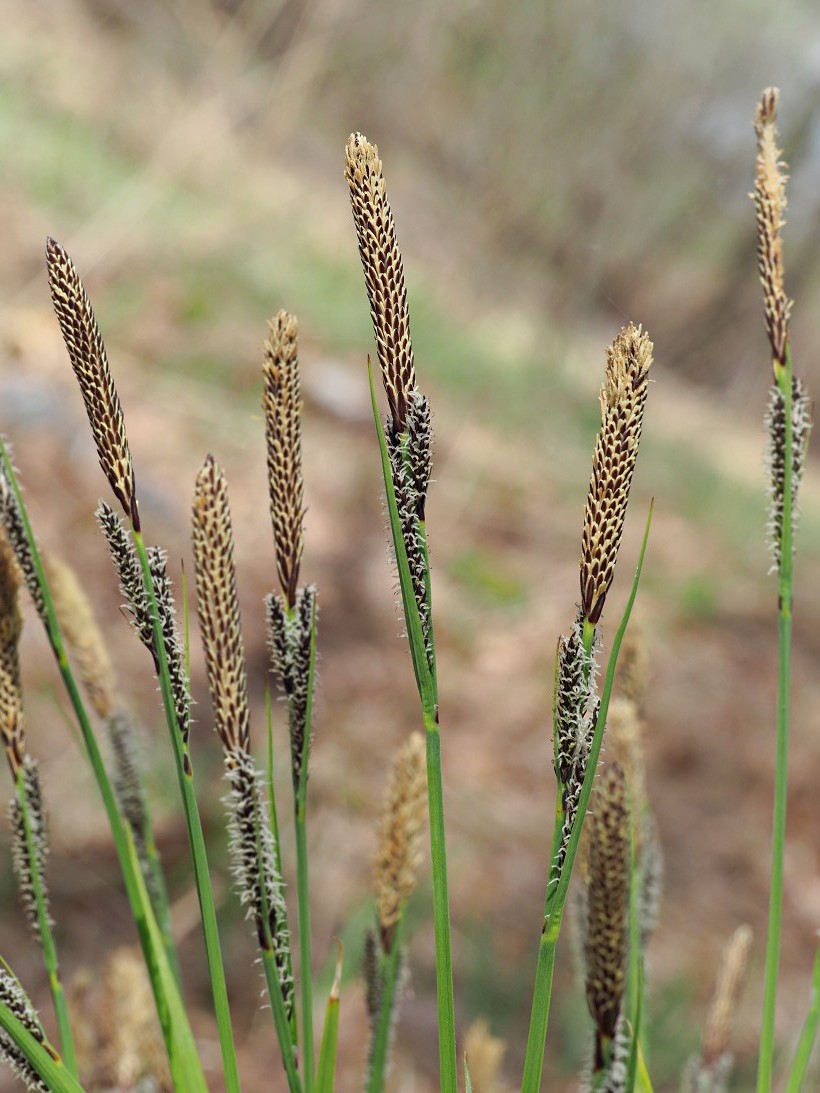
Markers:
<point>14,526</point>
<point>218,607</point>
<point>283,429</point>
<point>383,273</point>
<point>12,726</point>
<point>608,907</point>
<point>130,1048</point>
<point>770,207</point>
<point>86,351</point>
<point>11,621</point>
<point>623,397</point>
<point>399,853</point>
<point>485,1054</point>
<point>727,990</point>
<point>82,635</point>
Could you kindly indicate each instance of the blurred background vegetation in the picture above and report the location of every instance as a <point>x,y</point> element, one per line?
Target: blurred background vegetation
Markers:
<point>555,170</point>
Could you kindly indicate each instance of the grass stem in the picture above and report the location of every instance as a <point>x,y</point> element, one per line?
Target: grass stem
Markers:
<point>784,642</point>
<point>193,822</point>
<point>557,892</point>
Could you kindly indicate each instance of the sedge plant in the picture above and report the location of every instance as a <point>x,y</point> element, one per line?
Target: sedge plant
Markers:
<point>615,846</point>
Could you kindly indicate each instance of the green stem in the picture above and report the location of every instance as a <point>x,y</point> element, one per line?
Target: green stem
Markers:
<point>441,908</point>
<point>390,967</point>
<point>271,968</point>
<point>557,892</point>
<point>158,893</point>
<point>805,1045</point>
<point>306,983</point>
<point>784,636</point>
<point>303,876</point>
<point>47,942</point>
<point>426,680</point>
<point>185,774</point>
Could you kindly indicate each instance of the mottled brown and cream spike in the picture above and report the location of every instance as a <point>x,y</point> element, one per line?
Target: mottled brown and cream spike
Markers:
<point>485,1055</point>
<point>383,273</point>
<point>608,907</point>
<point>218,606</point>
<point>86,351</point>
<point>11,624</point>
<point>727,991</point>
<point>770,207</point>
<point>282,403</point>
<point>14,525</point>
<point>11,621</point>
<point>399,852</point>
<point>130,1047</point>
<point>710,1071</point>
<point>623,398</point>
<point>82,635</point>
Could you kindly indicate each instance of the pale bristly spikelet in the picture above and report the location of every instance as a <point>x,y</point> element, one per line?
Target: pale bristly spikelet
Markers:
<point>11,519</point>
<point>709,1073</point>
<point>218,607</point>
<point>15,999</point>
<point>623,398</point>
<point>282,404</point>
<point>289,642</point>
<point>398,854</point>
<point>86,351</point>
<point>253,856</point>
<point>775,459</point>
<point>607,907</point>
<point>127,565</point>
<point>770,207</point>
<point>485,1054</point>
<point>21,857</point>
<point>82,635</point>
<point>383,273</point>
<point>575,710</point>
<point>171,640</point>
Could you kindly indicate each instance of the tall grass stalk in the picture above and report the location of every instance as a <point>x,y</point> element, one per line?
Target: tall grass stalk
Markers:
<point>427,683</point>
<point>89,360</point>
<point>193,822</point>
<point>405,446</point>
<point>182,1052</point>
<point>302,873</point>
<point>789,424</point>
<point>557,892</point>
<point>784,648</point>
